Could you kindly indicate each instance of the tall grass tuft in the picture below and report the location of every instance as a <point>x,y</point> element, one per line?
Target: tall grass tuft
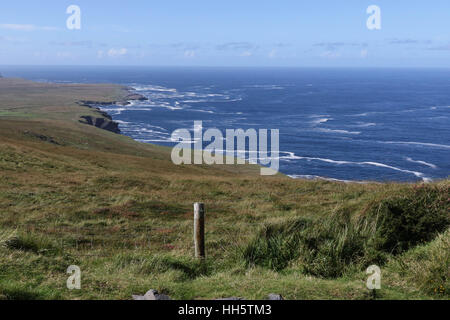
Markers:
<point>415,218</point>
<point>428,266</point>
<point>27,242</point>
<point>325,248</point>
<point>329,247</point>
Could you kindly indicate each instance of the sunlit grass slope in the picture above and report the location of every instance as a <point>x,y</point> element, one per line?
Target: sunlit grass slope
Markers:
<point>73,194</point>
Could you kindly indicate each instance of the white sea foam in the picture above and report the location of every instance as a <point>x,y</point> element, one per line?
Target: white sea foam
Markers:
<point>199,110</point>
<point>424,144</point>
<point>195,101</point>
<point>321,120</point>
<point>266,86</point>
<point>166,105</point>
<point>156,127</point>
<point>319,116</point>
<point>121,122</point>
<point>115,111</point>
<point>338,131</point>
<point>365,114</point>
<point>291,155</point>
<point>146,130</point>
<point>312,177</point>
<point>159,95</point>
<point>364,124</point>
<point>422,162</point>
<point>153,88</point>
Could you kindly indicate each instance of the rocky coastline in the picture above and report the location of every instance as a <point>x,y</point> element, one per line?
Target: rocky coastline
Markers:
<point>102,119</point>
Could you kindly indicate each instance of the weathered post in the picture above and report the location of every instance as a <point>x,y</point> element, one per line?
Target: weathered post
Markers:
<point>199,230</point>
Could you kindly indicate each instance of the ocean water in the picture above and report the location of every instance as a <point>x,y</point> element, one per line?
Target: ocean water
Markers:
<point>343,124</point>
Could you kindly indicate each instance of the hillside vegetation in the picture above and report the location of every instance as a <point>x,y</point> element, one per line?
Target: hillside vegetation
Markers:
<point>74,194</point>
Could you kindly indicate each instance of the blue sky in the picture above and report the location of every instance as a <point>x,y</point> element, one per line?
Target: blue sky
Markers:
<point>319,33</point>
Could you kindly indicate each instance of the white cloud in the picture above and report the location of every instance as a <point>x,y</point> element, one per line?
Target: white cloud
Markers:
<point>246,54</point>
<point>272,54</point>
<point>189,53</point>
<point>48,28</point>
<point>330,54</point>
<point>64,54</point>
<point>21,27</point>
<point>13,40</point>
<point>364,53</point>
<point>25,27</point>
<point>113,53</point>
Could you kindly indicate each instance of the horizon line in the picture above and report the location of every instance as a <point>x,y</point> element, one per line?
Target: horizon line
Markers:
<point>225,67</point>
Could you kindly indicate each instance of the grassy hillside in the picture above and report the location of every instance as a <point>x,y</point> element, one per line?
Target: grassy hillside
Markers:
<point>73,194</point>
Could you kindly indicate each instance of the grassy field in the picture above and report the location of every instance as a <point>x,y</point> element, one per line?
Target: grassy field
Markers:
<point>73,194</point>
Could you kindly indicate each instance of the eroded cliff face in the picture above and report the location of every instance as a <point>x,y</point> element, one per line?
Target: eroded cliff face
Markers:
<point>101,122</point>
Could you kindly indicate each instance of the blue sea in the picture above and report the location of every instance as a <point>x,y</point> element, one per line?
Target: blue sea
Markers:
<point>338,124</point>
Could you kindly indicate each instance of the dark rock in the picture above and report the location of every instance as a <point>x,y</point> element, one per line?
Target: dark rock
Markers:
<point>41,137</point>
<point>274,296</point>
<point>151,295</point>
<point>154,295</point>
<point>104,123</point>
<point>90,103</point>
<point>104,114</point>
<point>135,96</point>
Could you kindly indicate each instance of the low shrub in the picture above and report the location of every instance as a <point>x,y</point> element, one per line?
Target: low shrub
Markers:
<point>415,218</point>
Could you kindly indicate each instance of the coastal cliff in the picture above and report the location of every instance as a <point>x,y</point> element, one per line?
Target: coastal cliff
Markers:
<point>102,119</point>
<point>102,123</point>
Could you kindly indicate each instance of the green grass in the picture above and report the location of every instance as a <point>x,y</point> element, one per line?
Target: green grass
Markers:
<point>121,211</point>
<point>344,242</point>
<point>16,114</point>
<point>427,266</point>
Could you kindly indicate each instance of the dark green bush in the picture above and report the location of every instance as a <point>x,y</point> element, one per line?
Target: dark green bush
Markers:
<point>415,218</point>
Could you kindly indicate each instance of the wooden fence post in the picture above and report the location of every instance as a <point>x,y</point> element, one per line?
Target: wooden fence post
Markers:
<point>199,230</point>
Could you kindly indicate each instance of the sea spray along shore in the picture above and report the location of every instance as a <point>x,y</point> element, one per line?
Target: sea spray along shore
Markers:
<point>74,194</point>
